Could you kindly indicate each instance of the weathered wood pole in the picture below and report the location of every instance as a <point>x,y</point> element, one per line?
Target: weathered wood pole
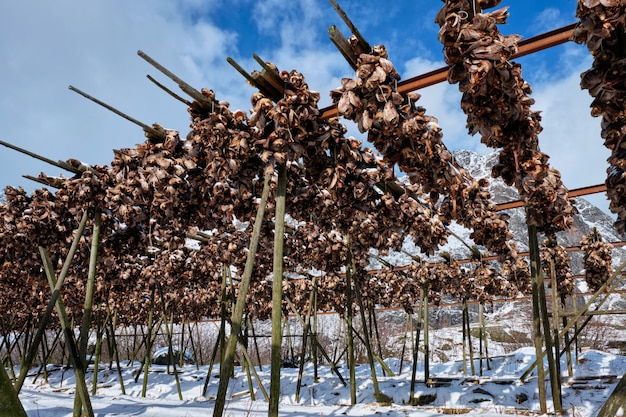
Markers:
<point>380,397</point>
<point>555,320</point>
<point>484,338</point>
<point>426,322</point>
<point>615,401</point>
<point>146,359</point>
<point>568,351</point>
<point>91,284</point>
<point>10,404</point>
<point>98,352</point>
<point>534,268</point>
<point>416,345</point>
<point>277,291</point>
<point>349,329</point>
<point>111,335</point>
<point>32,351</point>
<point>306,329</point>
<point>314,335</point>
<point>68,332</point>
<point>227,366</point>
<point>554,377</point>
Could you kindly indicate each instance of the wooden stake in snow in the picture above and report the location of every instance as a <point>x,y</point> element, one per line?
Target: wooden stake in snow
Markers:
<point>277,291</point>
<point>75,359</point>
<point>10,404</point>
<point>350,331</point>
<point>237,315</point>
<point>28,359</point>
<point>615,401</point>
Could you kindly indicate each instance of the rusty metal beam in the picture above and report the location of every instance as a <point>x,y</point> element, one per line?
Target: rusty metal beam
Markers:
<point>577,192</point>
<point>528,46</point>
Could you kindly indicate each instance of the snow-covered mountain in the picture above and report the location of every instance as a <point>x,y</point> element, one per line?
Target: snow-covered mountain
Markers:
<point>479,166</point>
<point>588,217</point>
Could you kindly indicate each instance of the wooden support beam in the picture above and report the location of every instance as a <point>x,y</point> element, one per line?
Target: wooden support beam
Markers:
<point>362,42</point>
<point>59,164</point>
<point>192,92</point>
<point>150,131</point>
<point>168,91</point>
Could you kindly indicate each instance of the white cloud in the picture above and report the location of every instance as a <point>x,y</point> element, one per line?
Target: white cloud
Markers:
<point>294,22</point>
<point>551,18</point>
<point>49,45</point>
<point>570,135</point>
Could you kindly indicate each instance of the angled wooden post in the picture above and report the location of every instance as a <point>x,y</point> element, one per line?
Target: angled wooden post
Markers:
<point>10,404</point>
<point>237,315</point>
<point>615,401</point>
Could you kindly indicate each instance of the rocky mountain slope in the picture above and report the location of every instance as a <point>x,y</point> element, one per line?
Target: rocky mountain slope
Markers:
<point>479,166</point>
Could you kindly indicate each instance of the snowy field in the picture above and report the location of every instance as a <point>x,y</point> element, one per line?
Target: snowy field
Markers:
<point>497,392</point>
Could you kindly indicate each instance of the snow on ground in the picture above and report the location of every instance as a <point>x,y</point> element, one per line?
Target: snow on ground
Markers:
<point>497,392</point>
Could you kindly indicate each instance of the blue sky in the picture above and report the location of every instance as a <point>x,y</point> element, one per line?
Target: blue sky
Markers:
<point>92,45</point>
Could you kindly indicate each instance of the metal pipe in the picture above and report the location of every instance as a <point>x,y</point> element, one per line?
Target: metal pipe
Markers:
<point>528,46</point>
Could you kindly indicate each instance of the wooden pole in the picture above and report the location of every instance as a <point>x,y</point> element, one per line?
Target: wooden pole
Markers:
<point>349,330</point>
<point>237,314</point>
<point>483,339</point>
<point>223,314</point>
<point>314,334</point>
<point>59,164</point>
<point>169,330</point>
<point>380,397</point>
<point>89,294</point>
<point>605,289</point>
<point>277,291</point>
<point>374,324</point>
<point>170,92</point>
<point>342,44</point>
<point>148,129</point>
<point>469,338</point>
<point>554,377</point>
<point>98,352</point>
<point>8,347</point>
<point>415,345</point>
<point>188,89</point>
<point>256,343</point>
<point>555,320</point>
<point>464,336</point>
<point>534,267</point>
<point>246,356</point>
<point>216,348</point>
<point>46,352</point>
<point>10,404</point>
<point>616,400</point>
<point>362,42</point>
<point>331,362</point>
<point>196,357</point>
<point>112,325</point>
<point>32,351</point>
<point>408,325</point>
<point>568,352</point>
<point>426,322</point>
<point>75,360</point>
<point>146,359</point>
<point>271,76</point>
<point>305,333</point>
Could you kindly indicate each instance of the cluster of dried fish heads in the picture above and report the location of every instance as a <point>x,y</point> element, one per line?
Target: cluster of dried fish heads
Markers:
<point>497,104</point>
<point>601,28</point>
